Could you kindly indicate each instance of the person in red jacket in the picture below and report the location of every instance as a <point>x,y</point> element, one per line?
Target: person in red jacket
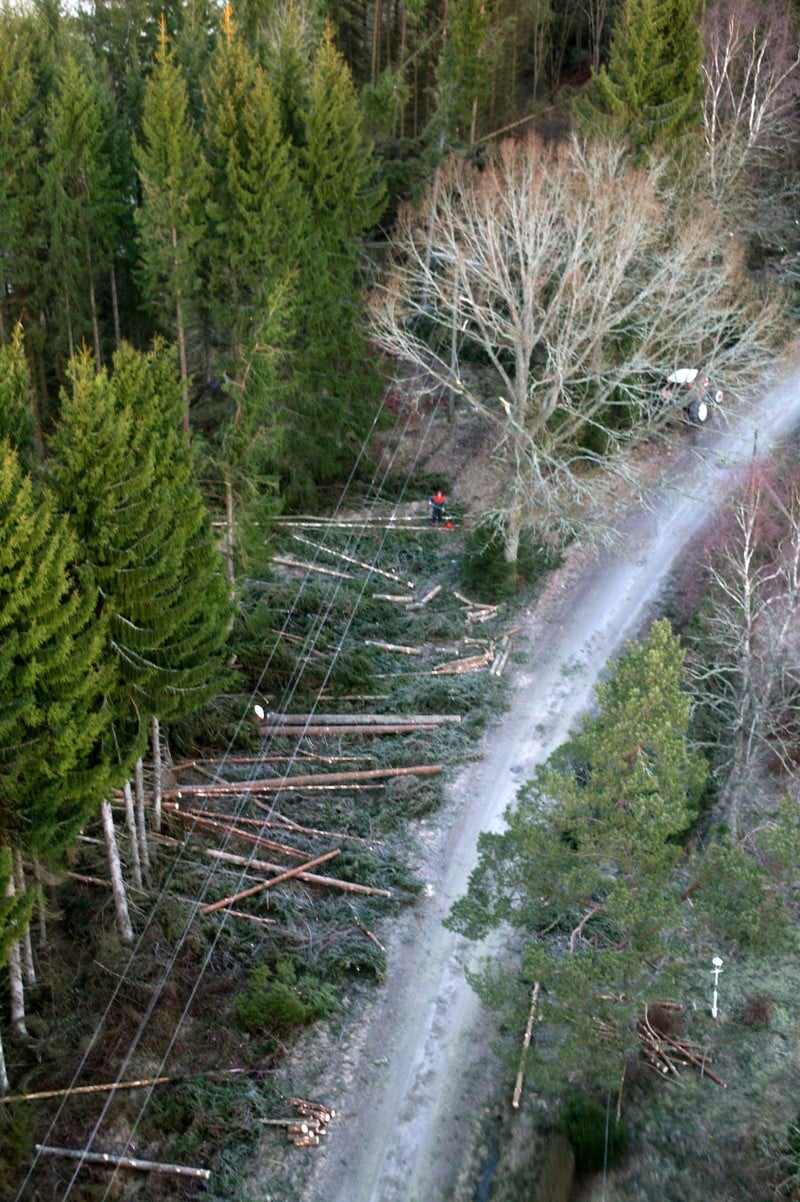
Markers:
<point>437,503</point>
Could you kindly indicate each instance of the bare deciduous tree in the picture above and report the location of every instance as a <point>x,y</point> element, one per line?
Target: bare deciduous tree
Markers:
<point>752,82</point>
<point>578,280</point>
<point>597,15</point>
<point>747,670</point>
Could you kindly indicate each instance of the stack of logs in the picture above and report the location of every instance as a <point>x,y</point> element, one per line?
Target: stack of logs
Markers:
<point>311,1123</point>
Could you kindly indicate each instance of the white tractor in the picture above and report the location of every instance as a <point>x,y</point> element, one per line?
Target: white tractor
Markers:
<point>695,394</point>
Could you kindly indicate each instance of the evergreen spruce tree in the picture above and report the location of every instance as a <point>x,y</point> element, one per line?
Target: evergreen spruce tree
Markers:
<point>82,203</point>
<point>651,88</point>
<point>170,220</point>
<point>17,164</point>
<point>125,475</point>
<point>464,71</point>
<point>258,218</point>
<point>16,397</point>
<point>256,209</point>
<point>336,383</point>
<point>586,868</point>
<point>53,721</point>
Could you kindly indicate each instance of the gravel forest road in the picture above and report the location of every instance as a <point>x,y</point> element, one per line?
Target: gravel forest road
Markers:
<point>419,1072</point>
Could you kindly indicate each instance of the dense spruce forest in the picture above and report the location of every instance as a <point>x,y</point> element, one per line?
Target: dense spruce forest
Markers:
<point>238,242</point>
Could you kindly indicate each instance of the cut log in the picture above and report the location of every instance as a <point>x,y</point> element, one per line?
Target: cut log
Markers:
<point>300,870</point>
<point>124,1162</point>
<point>526,1043</point>
<point>280,822</point>
<point>434,592</point>
<point>246,836</point>
<point>299,873</point>
<point>264,922</point>
<point>276,719</point>
<point>356,562</point>
<point>369,934</point>
<point>283,784</point>
<point>392,647</point>
<point>312,732</point>
<point>311,567</point>
<point>42,1094</point>
<point>472,663</point>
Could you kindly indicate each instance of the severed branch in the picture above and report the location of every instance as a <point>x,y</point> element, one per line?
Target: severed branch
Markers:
<point>369,934</point>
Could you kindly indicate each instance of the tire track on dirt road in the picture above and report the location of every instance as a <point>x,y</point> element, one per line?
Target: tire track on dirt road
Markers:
<point>408,1120</point>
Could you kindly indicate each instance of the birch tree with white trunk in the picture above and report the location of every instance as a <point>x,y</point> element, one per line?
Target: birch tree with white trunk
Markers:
<point>751,75</point>
<point>580,281</point>
<point>746,661</point>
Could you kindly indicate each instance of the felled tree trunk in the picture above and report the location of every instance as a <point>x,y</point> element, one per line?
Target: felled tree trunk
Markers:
<point>115,871</point>
<point>157,775</point>
<point>25,942</point>
<point>3,1072</point>
<point>141,822</point>
<point>16,988</point>
<point>130,819</point>
<point>41,904</point>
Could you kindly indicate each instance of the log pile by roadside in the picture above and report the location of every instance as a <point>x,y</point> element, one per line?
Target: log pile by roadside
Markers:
<point>308,1126</point>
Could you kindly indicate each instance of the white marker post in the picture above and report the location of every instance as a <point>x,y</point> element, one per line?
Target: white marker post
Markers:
<point>717,962</point>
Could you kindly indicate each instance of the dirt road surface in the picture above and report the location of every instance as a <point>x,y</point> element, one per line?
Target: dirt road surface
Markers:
<point>410,1105</point>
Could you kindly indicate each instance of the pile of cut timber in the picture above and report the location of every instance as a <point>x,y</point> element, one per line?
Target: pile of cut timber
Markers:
<point>308,1126</point>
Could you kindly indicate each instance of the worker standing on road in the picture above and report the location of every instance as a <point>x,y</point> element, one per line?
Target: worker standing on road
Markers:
<point>437,503</point>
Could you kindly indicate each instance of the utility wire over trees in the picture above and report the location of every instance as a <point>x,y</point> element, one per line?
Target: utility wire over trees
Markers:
<point>581,282</point>
<point>592,873</point>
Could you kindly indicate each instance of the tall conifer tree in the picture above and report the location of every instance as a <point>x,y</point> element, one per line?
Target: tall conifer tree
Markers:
<point>335,373</point>
<point>82,203</point>
<point>53,760</point>
<point>171,220</point>
<point>586,867</point>
<point>652,86</point>
<point>126,477</point>
<point>16,397</point>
